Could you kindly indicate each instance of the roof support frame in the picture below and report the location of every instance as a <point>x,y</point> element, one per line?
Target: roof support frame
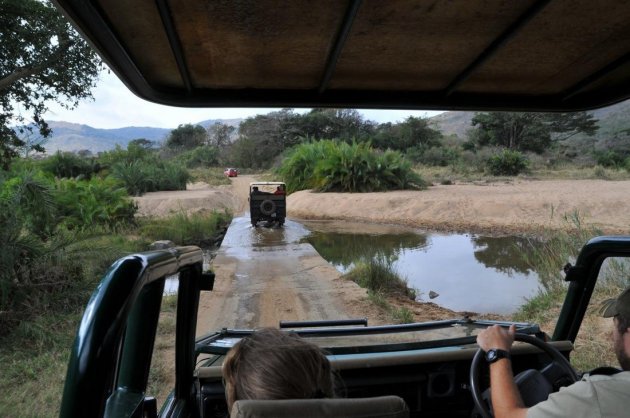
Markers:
<point>339,43</point>
<point>496,45</point>
<point>174,41</point>
<point>596,76</point>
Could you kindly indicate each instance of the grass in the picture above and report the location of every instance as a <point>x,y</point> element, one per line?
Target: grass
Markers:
<point>187,229</point>
<point>467,174</point>
<point>34,363</point>
<point>162,372</point>
<point>381,280</point>
<point>379,276</point>
<point>593,346</point>
<point>213,176</point>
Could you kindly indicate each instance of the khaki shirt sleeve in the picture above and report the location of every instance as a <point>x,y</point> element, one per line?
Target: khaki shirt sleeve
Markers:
<point>576,401</point>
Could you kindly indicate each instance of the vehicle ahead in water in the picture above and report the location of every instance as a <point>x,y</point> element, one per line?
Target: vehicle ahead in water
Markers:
<point>267,202</point>
<point>536,55</point>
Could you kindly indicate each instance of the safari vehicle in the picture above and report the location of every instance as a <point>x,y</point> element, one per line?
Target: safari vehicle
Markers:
<point>549,55</point>
<point>267,202</point>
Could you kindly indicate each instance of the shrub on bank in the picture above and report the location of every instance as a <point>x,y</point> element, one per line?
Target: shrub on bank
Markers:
<point>507,163</point>
<point>70,165</point>
<point>204,156</point>
<point>85,204</point>
<point>143,176</point>
<point>379,276</point>
<point>331,166</point>
<point>187,229</point>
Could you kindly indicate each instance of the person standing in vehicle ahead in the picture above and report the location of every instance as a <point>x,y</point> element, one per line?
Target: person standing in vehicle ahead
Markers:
<point>592,397</point>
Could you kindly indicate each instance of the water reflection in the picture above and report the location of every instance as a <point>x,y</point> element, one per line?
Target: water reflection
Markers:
<point>470,272</point>
<point>505,254</point>
<point>343,250</point>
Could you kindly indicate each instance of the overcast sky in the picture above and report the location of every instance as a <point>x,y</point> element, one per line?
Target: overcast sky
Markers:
<point>114,106</point>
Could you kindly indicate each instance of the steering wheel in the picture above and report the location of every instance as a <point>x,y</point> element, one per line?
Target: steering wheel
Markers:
<point>538,383</point>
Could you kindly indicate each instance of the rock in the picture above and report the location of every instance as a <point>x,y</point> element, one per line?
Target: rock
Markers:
<point>433,295</point>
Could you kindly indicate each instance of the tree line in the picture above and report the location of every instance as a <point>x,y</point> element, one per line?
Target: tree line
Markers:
<point>260,141</point>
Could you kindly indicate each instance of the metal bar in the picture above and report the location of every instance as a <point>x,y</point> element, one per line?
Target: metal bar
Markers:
<point>330,323</point>
<point>96,354</point>
<point>204,344</point>
<point>174,41</point>
<point>596,76</point>
<point>492,49</point>
<point>340,41</point>
<point>584,276</point>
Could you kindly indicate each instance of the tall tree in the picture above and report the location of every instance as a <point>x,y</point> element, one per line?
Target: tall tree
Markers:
<point>345,124</point>
<point>412,132</point>
<point>269,135</point>
<point>528,131</point>
<point>187,137</point>
<point>42,59</point>
<point>220,134</point>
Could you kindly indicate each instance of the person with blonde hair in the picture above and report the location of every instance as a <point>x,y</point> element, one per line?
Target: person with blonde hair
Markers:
<point>271,364</point>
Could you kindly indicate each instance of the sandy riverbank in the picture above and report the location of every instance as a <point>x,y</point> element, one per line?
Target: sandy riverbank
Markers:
<point>520,206</point>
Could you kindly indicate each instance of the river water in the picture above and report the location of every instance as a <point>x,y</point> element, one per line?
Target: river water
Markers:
<point>469,272</point>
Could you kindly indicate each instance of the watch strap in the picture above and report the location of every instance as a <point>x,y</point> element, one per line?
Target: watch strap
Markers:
<point>497,354</point>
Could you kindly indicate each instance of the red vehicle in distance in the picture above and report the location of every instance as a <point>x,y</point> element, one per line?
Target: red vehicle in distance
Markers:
<point>231,172</point>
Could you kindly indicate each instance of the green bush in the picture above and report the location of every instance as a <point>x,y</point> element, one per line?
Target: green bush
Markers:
<point>204,156</point>
<point>85,204</point>
<point>134,152</point>
<point>187,229</point>
<point>379,276</point>
<point>507,163</point>
<point>439,156</point>
<point>331,166</point>
<point>69,165</point>
<point>610,159</point>
<point>32,266</point>
<point>150,175</point>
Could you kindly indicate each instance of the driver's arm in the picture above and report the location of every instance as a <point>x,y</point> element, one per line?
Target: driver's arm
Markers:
<point>506,400</point>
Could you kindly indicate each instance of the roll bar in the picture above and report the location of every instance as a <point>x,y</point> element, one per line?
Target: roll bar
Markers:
<point>111,356</point>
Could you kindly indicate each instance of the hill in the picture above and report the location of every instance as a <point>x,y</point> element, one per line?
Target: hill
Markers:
<point>74,137</point>
<point>613,121</point>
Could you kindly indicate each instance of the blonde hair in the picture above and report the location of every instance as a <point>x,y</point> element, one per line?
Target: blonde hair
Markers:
<point>271,364</point>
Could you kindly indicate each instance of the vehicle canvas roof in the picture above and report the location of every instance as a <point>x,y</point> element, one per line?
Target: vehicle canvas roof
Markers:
<point>446,55</point>
<point>267,183</point>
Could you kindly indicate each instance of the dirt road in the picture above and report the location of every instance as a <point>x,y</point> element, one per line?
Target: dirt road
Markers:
<point>264,275</point>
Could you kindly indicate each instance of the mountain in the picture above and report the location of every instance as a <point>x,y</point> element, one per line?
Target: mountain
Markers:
<point>74,137</point>
<point>453,123</point>
<point>613,120</point>
<point>231,122</point>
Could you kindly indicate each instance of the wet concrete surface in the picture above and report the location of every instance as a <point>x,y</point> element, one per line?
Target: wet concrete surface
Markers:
<point>265,275</point>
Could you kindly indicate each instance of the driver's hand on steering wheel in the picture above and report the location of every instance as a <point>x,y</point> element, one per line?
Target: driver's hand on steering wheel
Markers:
<point>496,336</point>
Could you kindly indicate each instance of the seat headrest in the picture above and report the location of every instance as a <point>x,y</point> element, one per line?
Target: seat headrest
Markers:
<point>379,407</point>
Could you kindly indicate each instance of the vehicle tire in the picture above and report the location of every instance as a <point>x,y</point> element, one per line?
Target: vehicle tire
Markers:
<point>267,207</point>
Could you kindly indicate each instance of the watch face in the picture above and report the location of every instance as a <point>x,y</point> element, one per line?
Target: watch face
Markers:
<point>491,355</point>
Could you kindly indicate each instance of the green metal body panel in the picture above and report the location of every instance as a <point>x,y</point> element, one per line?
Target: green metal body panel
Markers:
<point>111,356</point>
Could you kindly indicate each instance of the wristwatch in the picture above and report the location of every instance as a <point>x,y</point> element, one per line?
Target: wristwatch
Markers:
<point>495,354</point>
